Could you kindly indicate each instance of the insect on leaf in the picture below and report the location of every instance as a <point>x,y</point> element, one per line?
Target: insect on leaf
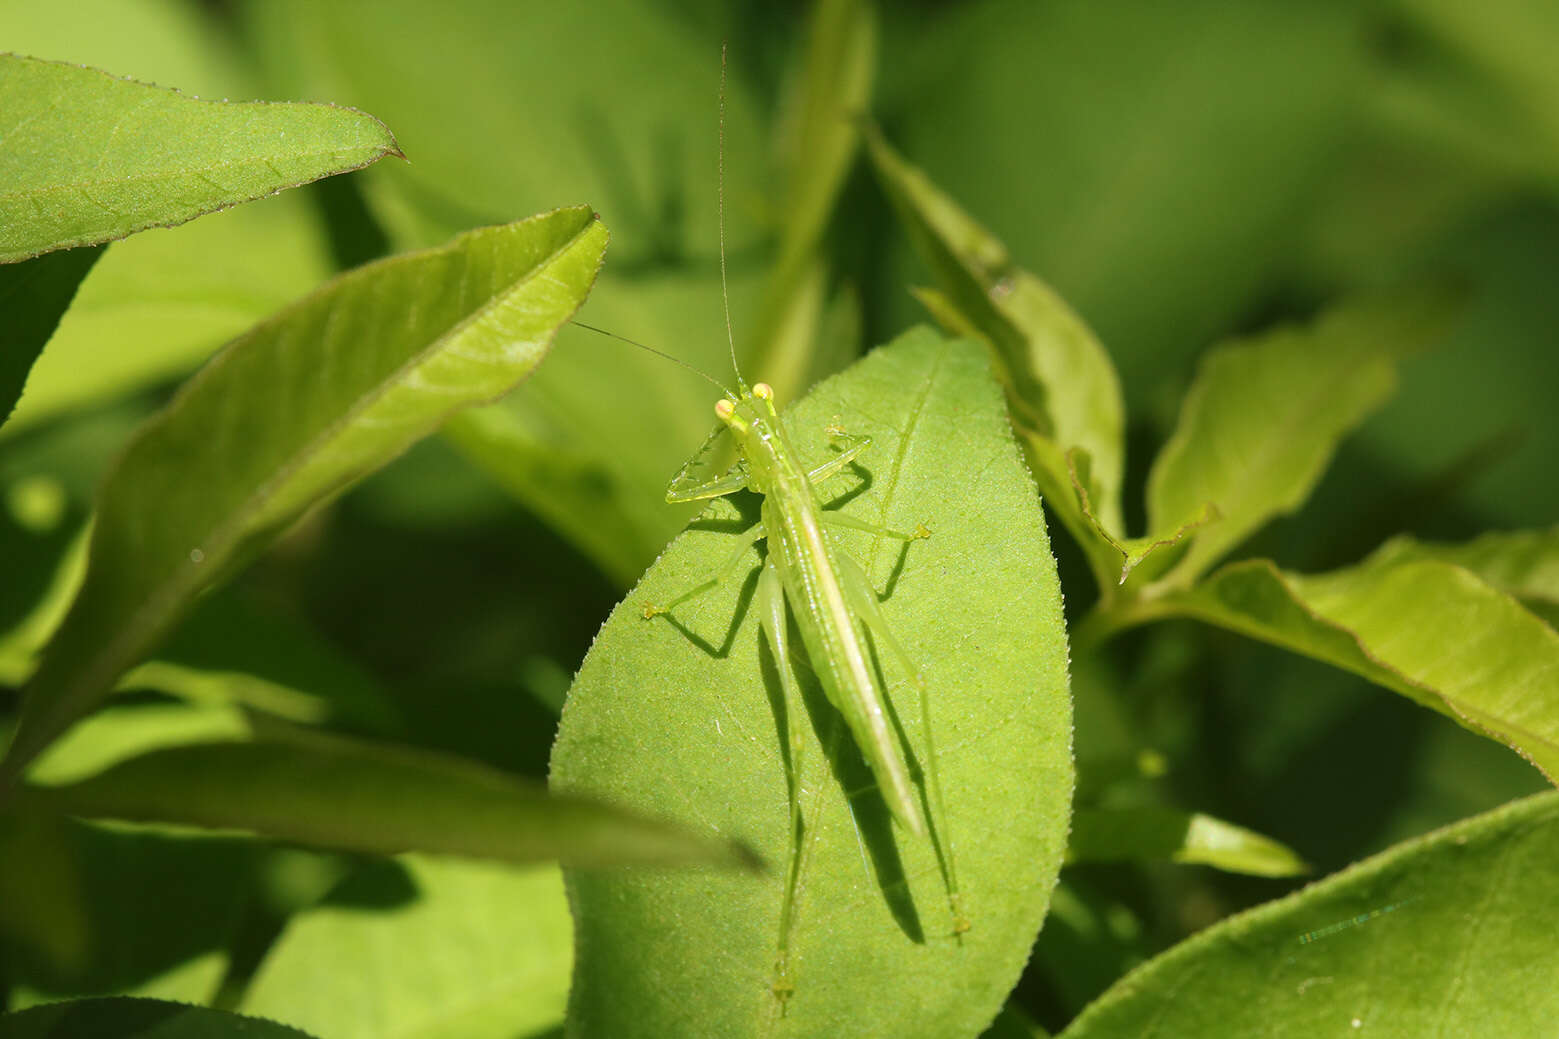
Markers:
<point>689,717</point>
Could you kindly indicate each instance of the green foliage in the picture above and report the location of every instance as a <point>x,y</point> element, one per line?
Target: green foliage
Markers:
<point>326,596</point>
<point>681,716</point>
<point>1100,835</point>
<point>333,794</point>
<point>1310,962</point>
<point>350,384</point>
<point>137,1019</point>
<point>34,295</point>
<point>1263,418</point>
<point>463,950</point>
<point>128,166</point>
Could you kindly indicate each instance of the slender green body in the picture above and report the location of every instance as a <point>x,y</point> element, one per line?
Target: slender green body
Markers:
<point>808,568</point>
<point>834,606</point>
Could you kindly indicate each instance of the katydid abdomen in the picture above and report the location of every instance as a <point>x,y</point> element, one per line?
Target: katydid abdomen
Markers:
<point>836,648</point>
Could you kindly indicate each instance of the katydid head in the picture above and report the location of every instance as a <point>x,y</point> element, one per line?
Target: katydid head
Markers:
<point>741,414</point>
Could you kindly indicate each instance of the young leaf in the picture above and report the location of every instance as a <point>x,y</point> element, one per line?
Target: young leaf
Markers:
<point>292,412</point>
<point>350,796</point>
<point>1431,631</point>
<point>90,157</point>
<point>1138,834</point>
<point>1264,416</point>
<point>1443,935</point>
<point>138,1019</point>
<point>33,296</point>
<point>688,717</point>
<point>482,952</point>
<point>1063,387</point>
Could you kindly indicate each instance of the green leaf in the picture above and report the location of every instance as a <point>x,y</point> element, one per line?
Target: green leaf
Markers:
<point>33,296</point>
<point>493,82</point>
<point>591,441</point>
<point>682,717</point>
<point>1138,834</point>
<point>1063,388</point>
<point>91,157</point>
<point>343,795</point>
<point>1264,416</point>
<point>1431,631</point>
<point>138,1019</point>
<point>1522,563</point>
<point>478,951</point>
<point>292,412</point>
<point>160,302</point>
<point>1444,935</point>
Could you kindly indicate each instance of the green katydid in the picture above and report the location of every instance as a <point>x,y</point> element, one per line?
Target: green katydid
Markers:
<point>831,599</point>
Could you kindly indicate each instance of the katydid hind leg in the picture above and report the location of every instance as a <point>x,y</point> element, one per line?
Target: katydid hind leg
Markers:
<point>771,599</point>
<point>840,519</point>
<point>863,601</point>
<point>749,537</point>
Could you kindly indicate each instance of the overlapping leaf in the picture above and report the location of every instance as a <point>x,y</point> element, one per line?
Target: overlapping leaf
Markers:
<point>344,795</point>
<point>1429,630</point>
<point>292,412</point>
<point>1444,935</point>
<point>686,717</point>
<point>1063,388</point>
<point>1522,563</point>
<point>90,157</point>
<point>1264,416</point>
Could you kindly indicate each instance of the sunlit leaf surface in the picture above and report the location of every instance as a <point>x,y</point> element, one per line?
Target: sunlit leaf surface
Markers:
<point>683,717</point>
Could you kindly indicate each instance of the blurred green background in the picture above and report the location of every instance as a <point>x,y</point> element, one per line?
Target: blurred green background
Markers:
<point>1179,172</point>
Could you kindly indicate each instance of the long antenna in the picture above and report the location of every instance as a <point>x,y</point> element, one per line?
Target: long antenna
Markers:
<point>725,295</point>
<point>661,353</point>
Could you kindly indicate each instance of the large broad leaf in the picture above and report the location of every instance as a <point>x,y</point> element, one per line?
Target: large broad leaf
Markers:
<point>292,412</point>
<point>1064,390</point>
<point>688,717</point>
<point>1429,630</point>
<point>1264,416</point>
<point>349,796</point>
<point>476,951</point>
<point>138,1019</point>
<point>1445,935</point>
<point>33,296</point>
<point>91,157</point>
